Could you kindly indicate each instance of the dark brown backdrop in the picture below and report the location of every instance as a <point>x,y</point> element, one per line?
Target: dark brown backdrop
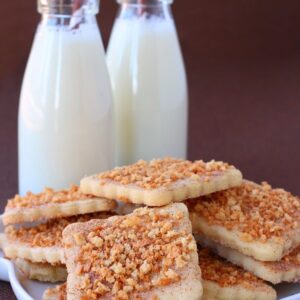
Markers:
<point>243,63</point>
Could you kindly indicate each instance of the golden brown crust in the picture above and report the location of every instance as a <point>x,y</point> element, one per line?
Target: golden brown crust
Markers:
<point>126,257</point>
<point>258,212</point>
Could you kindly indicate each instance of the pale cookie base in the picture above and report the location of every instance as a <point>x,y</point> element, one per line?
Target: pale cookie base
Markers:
<point>274,272</point>
<point>14,250</point>
<point>41,271</point>
<point>52,211</point>
<point>57,293</point>
<point>264,251</point>
<point>179,191</point>
<point>213,291</point>
<point>189,288</point>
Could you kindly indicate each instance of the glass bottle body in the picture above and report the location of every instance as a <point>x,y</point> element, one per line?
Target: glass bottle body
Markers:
<point>149,83</point>
<point>65,112</point>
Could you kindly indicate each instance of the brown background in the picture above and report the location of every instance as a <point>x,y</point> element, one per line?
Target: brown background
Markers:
<point>243,64</point>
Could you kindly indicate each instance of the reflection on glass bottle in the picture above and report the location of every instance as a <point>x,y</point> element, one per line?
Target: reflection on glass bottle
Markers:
<point>149,83</point>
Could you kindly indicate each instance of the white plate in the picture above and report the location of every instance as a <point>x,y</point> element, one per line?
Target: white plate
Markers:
<point>25,289</point>
<point>28,289</point>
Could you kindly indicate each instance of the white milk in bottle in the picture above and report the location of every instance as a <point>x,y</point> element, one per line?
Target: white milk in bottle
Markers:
<point>65,113</point>
<point>149,83</point>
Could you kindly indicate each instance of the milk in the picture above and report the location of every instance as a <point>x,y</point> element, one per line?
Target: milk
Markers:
<point>150,90</point>
<point>65,113</point>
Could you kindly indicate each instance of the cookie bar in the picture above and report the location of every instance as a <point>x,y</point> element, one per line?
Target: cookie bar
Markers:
<point>285,270</point>
<point>254,219</point>
<point>52,204</point>
<point>224,281</point>
<point>149,254</point>
<point>162,181</point>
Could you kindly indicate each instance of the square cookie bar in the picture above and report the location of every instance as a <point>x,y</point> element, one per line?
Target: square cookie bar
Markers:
<point>254,219</point>
<point>149,254</point>
<point>285,270</point>
<point>162,181</point>
<point>52,204</point>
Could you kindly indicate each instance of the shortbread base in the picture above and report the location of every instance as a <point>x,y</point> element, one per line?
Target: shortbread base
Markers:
<point>14,250</point>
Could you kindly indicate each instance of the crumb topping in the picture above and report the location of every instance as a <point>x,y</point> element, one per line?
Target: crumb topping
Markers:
<point>48,196</point>
<point>48,234</point>
<point>257,211</point>
<point>163,172</point>
<point>222,272</point>
<point>293,257</point>
<point>59,292</point>
<point>133,253</point>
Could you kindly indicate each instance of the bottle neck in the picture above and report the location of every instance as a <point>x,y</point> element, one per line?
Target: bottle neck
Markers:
<point>145,9</point>
<point>73,22</point>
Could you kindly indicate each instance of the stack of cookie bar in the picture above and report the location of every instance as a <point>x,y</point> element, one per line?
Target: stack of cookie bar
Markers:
<point>34,226</point>
<point>252,226</point>
<point>149,252</point>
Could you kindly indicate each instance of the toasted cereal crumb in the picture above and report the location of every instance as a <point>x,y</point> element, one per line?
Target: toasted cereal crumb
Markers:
<point>58,292</point>
<point>257,211</point>
<point>49,234</point>
<point>222,272</point>
<point>163,172</point>
<point>48,196</point>
<point>97,241</point>
<point>79,238</point>
<point>137,253</point>
<point>145,268</point>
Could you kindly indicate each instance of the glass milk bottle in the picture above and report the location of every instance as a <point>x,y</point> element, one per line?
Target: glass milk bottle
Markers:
<point>65,112</point>
<point>149,82</point>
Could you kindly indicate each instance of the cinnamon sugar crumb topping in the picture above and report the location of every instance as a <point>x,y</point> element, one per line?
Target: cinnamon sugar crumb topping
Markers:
<point>48,196</point>
<point>48,234</point>
<point>133,253</point>
<point>163,172</point>
<point>222,272</point>
<point>257,211</point>
<point>59,292</point>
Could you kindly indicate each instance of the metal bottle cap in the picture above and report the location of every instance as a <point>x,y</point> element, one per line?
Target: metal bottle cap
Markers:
<point>68,7</point>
